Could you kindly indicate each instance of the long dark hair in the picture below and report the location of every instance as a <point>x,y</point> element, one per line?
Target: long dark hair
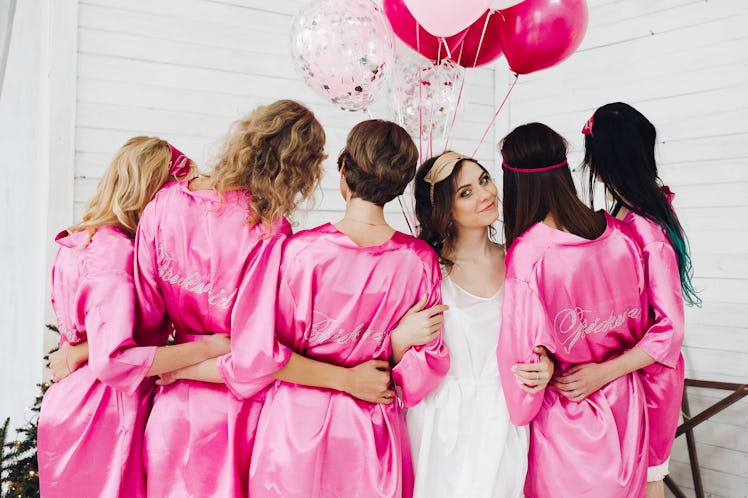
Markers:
<point>530,197</point>
<point>435,221</point>
<point>620,152</point>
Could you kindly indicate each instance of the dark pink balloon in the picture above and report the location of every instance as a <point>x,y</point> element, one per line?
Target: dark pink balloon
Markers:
<point>537,34</point>
<point>488,49</point>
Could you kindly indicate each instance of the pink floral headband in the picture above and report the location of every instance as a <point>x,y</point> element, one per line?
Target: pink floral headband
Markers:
<point>179,165</point>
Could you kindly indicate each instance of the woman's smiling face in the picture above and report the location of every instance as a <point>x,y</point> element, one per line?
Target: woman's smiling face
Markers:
<point>476,202</point>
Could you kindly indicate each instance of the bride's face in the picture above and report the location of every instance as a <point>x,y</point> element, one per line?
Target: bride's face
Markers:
<point>476,202</point>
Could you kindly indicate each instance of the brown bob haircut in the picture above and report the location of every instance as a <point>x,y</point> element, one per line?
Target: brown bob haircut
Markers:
<point>379,160</point>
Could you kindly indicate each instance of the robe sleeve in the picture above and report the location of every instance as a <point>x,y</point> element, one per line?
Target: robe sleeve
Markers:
<point>664,338</point>
<point>524,326</point>
<point>107,301</point>
<point>152,319</point>
<point>255,351</point>
<point>423,367</point>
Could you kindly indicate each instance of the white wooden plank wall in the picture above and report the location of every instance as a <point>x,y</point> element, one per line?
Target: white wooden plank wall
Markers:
<point>185,69</point>
<point>684,64</point>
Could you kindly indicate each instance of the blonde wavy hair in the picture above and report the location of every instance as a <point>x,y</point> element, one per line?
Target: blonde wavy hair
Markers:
<point>138,171</point>
<point>275,153</point>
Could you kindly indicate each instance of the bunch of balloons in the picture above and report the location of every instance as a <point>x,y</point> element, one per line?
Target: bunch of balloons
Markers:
<point>532,34</point>
<point>345,49</point>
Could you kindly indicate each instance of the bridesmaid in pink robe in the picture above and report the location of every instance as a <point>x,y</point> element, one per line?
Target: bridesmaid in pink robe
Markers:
<point>575,283</point>
<point>343,288</point>
<point>620,152</point>
<point>207,258</point>
<point>92,418</point>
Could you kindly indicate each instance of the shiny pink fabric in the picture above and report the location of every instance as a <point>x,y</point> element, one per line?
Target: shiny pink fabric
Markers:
<point>200,269</point>
<point>91,423</point>
<point>337,303</point>
<point>584,301</point>
<point>662,381</point>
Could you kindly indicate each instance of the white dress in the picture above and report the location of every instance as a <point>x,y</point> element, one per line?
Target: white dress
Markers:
<point>463,444</point>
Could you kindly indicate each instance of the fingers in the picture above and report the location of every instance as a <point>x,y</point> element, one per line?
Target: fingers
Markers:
<point>384,398</point>
<point>568,387</point>
<point>531,390</point>
<point>381,365</point>
<point>418,306</point>
<point>540,350</point>
<point>437,310</point>
<point>573,370</point>
<point>527,367</point>
<point>563,379</point>
<point>531,378</point>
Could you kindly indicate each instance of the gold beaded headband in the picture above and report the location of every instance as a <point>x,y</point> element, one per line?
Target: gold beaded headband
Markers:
<point>441,170</point>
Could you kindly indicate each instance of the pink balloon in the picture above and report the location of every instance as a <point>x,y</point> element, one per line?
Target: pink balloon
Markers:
<point>409,31</point>
<point>503,4</point>
<point>537,34</point>
<point>446,17</point>
<point>480,43</point>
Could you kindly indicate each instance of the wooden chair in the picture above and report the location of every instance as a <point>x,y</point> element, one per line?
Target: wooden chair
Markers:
<point>689,422</point>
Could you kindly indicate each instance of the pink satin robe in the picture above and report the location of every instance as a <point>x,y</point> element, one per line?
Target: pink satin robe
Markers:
<point>196,260</point>
<point>663,380</point>
<point>91,422</point>
<point>337,302</point>
<point>584,300</point>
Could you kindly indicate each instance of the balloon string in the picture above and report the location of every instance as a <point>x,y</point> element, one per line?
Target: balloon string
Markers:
<point>446,48</point>
<point>516,77</point>
<point>482,35</point>
<point>402,208</point>
<point>368,111</point>
<point>420,95</point>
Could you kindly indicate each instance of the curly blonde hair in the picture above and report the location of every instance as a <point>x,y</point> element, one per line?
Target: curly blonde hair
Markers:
<point>275,153</point>
<point>139,169</point>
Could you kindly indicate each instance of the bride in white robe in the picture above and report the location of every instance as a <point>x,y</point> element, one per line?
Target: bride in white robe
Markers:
<point>462,442</point>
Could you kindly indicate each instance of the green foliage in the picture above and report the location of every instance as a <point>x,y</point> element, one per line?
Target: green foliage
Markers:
<point>18,466</point>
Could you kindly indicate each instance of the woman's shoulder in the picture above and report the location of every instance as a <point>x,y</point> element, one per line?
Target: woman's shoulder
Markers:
<point>298,242</point>
<point>109,251</point>
<point>643,230</point>
<point>418,246</point>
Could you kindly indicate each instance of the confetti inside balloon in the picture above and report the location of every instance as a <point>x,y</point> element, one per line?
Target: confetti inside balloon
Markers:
<point>424,96</point>
<point>342,50</point>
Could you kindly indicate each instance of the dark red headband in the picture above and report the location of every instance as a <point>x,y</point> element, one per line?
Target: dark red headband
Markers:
<point>587,128</point>
<point>179,165</point>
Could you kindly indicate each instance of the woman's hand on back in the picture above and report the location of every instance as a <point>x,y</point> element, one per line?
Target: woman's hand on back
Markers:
<point>534,377</point>
<point>370,381</point>
<point>417,327</point>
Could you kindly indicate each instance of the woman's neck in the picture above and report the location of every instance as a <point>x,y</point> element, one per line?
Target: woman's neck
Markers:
<point>550,220</point>
<point>364,212</point>
<point>364,223</point>
<point>471,244</point>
